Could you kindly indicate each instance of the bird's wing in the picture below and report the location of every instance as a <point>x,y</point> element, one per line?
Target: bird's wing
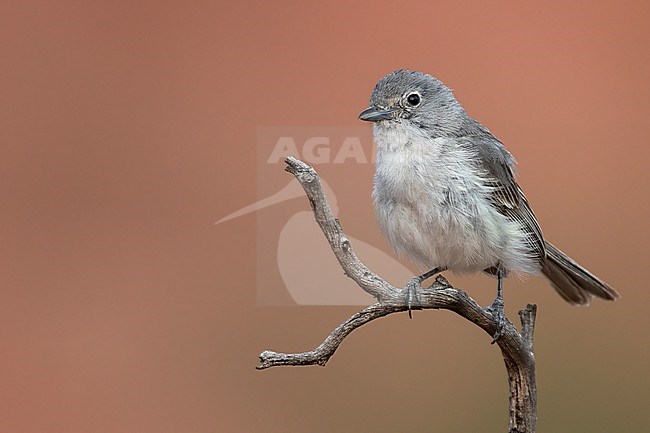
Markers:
<point>506,196</point>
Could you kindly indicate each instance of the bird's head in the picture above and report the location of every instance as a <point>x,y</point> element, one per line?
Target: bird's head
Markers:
<point>415,99</point>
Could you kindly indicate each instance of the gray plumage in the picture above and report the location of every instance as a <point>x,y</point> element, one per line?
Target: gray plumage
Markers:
<point>445,193</point>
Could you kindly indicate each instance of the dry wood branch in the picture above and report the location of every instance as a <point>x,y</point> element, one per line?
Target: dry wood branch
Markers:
<point>517,349</point>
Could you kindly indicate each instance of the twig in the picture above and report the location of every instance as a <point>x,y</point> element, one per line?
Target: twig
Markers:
<point>517,349</point>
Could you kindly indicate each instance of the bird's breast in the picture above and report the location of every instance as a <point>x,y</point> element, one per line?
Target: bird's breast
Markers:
<point>432,205</point>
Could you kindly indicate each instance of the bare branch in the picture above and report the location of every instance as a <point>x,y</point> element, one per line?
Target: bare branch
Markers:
<point>322,353</point>
<point>352,266</point>
<point>517,349</point>
<point>528,317</point>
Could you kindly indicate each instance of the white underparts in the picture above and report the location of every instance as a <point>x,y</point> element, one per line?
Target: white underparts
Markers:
<point>433,205</point>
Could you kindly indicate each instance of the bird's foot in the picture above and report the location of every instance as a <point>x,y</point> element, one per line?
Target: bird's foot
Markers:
<point>412,288</point>
<point>415,284</point>
<point>498,313</point>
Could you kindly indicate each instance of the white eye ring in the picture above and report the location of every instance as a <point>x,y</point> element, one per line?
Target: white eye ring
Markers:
<point>413,99</point>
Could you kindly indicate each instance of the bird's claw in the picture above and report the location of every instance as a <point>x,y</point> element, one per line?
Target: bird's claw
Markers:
<point>496,310</point>
<point>415,284</point>
<point>412,293</point>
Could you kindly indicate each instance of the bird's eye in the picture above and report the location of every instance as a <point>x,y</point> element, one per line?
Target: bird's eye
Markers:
<point>413,99</point>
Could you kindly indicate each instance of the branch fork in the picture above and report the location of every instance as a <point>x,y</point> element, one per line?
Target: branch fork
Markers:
<point>517,348</point>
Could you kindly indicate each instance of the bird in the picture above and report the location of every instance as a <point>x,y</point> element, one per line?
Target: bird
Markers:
<point>446,197</point>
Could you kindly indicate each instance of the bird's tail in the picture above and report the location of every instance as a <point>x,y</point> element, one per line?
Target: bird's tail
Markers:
<point>573,282</point>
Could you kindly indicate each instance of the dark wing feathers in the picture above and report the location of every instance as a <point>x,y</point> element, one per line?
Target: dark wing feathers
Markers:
<point>506,195</point>
<point>573,282</point>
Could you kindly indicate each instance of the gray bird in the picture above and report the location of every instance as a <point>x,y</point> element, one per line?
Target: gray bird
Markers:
<point>446,197</point>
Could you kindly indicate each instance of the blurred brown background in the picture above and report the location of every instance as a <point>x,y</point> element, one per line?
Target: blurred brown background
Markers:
<point>128,128</point>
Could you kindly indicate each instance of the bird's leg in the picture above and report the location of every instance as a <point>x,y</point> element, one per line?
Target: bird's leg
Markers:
<point>413,285</point>
<point>496,309</point>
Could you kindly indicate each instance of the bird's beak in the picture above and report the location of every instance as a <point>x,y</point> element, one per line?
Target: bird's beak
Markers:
<point>373,114</point>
